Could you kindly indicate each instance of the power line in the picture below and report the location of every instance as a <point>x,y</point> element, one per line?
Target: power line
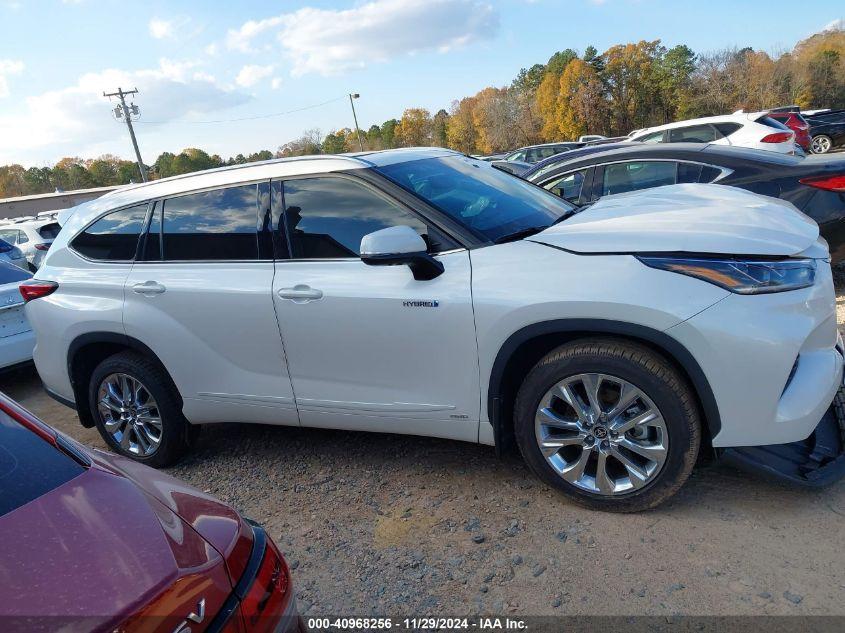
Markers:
<point>248,118</point>
<point>127,112</point>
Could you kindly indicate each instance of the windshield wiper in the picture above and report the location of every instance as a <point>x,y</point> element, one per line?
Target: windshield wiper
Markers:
<point>518,235</point>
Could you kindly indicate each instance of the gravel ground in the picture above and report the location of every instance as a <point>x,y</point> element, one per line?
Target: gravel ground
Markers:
<point>395,525</point>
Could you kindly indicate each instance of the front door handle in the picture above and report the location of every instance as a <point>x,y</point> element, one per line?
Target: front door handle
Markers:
<point>149,288</point>
<point>301,293</point>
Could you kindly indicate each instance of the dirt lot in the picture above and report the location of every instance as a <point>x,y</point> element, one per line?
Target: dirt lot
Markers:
<point>390,525</point>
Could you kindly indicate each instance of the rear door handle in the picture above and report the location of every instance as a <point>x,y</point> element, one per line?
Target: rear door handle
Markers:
<point>301,293</point>
<point>149,288</point>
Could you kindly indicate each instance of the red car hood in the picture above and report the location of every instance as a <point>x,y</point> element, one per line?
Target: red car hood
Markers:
<point>99,551</point>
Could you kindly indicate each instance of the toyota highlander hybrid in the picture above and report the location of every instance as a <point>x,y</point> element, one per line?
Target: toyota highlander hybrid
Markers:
<point>422,291</point>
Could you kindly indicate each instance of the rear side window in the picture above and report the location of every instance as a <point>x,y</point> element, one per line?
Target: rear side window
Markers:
<point>49,231</point>
<point>709,174</point>
<point>114,237</point>
<point>726,129</point>
<point>212,225</point>
<point>693,134</point>
<point>9,273</point>
<point>635,175</point>
<point>654,137</point>
<point>29,466</point>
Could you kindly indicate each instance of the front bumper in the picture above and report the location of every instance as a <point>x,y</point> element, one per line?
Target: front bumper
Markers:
<point>815,462</point>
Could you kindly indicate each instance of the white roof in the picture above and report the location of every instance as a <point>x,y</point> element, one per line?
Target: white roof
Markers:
<point>736,117</point>
<point>224,176</point>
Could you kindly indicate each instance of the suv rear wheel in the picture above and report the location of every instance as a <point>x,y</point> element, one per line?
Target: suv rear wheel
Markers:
<point>136,411</point>
<point>610,423</point>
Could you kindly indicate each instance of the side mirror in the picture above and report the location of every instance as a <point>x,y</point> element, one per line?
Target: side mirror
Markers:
<point>398,245</point>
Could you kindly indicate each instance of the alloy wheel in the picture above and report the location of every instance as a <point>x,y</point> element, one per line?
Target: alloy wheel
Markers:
<point>129,414</point>
<point>601,434</point>
<point>821,145</point>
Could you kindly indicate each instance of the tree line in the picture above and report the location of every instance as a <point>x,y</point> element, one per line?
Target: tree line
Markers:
<point>627,87</point>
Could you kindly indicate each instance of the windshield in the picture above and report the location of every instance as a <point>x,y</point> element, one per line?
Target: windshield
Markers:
<point>479,196</point>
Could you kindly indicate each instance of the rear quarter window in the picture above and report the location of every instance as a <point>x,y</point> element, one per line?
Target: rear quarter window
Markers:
<point>29,466</point>
<point>114,237</point>
<point>9,273</point>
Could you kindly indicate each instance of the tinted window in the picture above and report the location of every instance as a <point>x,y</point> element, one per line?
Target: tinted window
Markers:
<point>688,172</point>
<point>654,137</point>
<point>152,241</point>
<point>327,217</point>
<point>476,194</point>
<point>114,236</point>
<point>569,186</point>
<point>29,466</point>
<point>770,122</point>
<point>726,129</point>
<point>709,174</point>
<point>693,134</point>
<point>212,225</point>
<point>635,175</point>
<point>49,231</point>
<point>9,273</point>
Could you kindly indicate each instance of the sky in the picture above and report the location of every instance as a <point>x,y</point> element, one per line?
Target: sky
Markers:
<point>209,74</point>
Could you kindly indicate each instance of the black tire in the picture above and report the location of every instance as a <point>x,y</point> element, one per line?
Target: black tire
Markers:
<point>177,435</point>
<point>655,376</point>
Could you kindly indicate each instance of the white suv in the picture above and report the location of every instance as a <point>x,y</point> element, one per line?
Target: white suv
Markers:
<point>756,130</point>
<point>422,291</point>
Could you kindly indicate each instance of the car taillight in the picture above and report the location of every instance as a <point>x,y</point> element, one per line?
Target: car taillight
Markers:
<point>828,183</point>
<point>777,137</point>
<point>264,603</point>
<point>42,247</point>
<point>34,289</point>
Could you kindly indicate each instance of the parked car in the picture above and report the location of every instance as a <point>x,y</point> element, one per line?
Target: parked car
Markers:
<point>11,254</point>
<point>16,336</point>
<point>535,153</point>
<point>95,542</point>
<point>791,117</point>
<point>755,130</point>
<point>422,291</point>
<point>827,130</point>
<point>814,185</point>
<point>32,236</point>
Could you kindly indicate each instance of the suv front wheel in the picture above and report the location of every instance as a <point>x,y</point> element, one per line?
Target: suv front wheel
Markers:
<point>136,411</point>
<point>610,423</point>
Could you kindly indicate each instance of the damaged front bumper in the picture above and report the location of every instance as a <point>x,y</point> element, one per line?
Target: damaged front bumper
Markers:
<point>814,462</point>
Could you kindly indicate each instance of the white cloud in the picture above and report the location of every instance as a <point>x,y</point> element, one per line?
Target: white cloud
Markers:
<point>276,83</point>
<point>331,41</point>
<point>8,67</point>
<point>835,25</point>
<point>251,74</point>
<point>161,29</point>
<point>76,119</point>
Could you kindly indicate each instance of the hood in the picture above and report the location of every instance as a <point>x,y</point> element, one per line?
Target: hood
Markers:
<point>689,218</point>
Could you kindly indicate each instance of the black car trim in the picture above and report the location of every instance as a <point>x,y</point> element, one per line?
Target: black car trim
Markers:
<point>676,351</point>
<point>259,546</point>
<point>60,399</point>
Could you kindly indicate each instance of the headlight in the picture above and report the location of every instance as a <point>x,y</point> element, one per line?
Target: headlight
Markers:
<point>745,277</point>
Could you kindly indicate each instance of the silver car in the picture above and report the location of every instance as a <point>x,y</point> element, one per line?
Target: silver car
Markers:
<point>32,237</point>
<point>16,336</point>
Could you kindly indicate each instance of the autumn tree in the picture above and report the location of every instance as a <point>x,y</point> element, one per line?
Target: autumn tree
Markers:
<point>414,129</point>
<point>460,129</point>
<point>439,125</point>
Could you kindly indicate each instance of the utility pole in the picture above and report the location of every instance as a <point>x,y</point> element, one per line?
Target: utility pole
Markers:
<point>352,96</point>
<point>126,112</point>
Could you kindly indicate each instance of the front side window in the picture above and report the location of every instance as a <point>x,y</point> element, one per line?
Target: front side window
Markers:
<point>635,175</point>
<point>114,237</point>
<point>568,186</point>
<point>212,225</point>
<point>327,217</point>
<point>8,235</point>
<point>654,137</point>
<point>484,199</point>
